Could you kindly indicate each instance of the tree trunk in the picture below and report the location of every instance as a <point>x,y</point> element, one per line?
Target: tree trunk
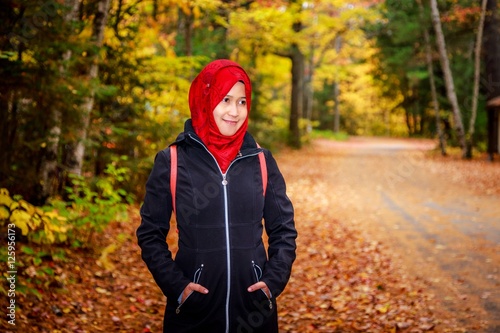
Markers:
<point>336,89</point>
<point>408,122</point>
<point>448,76</point>
<point>188,37</point>
<point>223,51</point>
<point>297,103</point>
<point>297,96</point>
<point>477,73</point>
<point>8,129</point>
<point>432,81</point>
<point>49,171</point>
<point>309,91</point>
<point>491,45</point>
<point>77,151</point>
<point>492,50</point>
<point>185,29</point>
<point>336,109</point>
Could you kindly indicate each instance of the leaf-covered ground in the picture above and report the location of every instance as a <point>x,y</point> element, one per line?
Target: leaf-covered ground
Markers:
<point>343,279</point>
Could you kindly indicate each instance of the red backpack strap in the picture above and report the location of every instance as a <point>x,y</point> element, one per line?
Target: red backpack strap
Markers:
<point>173,174</point>
<point>263,170</point>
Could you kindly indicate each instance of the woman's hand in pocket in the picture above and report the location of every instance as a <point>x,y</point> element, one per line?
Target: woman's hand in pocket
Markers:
<point>192,287</point>
<point>260,285</point>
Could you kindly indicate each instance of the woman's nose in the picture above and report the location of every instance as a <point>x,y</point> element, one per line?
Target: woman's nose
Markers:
<point>233,110</point>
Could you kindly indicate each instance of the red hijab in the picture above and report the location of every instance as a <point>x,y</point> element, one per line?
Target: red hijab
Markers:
<point>206,92</point>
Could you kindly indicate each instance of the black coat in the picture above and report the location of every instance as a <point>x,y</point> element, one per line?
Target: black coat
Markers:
<point>219,219</point>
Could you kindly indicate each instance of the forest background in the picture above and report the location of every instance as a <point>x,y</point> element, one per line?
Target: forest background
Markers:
<point>91,90</point>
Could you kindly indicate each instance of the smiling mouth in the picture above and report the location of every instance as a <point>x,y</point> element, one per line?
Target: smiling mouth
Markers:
<point>231,122</point>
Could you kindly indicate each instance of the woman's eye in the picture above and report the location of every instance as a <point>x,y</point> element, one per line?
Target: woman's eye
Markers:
<point>243,102</point>
<point>225,99</point>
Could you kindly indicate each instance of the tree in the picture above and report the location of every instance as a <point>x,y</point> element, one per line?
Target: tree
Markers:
<point>432,82</point>
<point>448,76</point>
<point>477,73</point>
<point>330,25</point>
<point>40,94</point>
<point>297,102</point>
<point>336,92</point>
<point>400,68</point>
<point>75,154</point>
<point>491,45</point>
<point>264,32</point>
<point>49,169</point>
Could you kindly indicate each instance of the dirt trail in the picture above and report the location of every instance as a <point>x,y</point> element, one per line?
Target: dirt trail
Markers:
<point>439,224</point>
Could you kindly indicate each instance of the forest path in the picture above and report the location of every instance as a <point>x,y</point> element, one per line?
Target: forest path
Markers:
<point>439,217</point>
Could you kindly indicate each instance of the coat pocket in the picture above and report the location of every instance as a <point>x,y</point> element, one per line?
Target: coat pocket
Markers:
<point>258,275</point>
<point>196,279</point>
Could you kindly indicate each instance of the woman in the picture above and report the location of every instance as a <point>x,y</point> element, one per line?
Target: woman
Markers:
<point>222,278</point>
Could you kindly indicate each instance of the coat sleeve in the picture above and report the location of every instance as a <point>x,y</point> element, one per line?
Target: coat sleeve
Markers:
<point>155,224</point>
<point>280,228</point>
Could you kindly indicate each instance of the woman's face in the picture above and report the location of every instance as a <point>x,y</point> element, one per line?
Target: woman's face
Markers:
<point>232,111</point>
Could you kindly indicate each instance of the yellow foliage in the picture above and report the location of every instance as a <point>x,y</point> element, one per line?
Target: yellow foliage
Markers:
<point>5,198</point>
<point>103,260</point>
<point>196,12</point>
<point>49,234</point>
<point>33,220</point>
<point>4,213</point>
<point>13,205</point>
<point>20,218</point>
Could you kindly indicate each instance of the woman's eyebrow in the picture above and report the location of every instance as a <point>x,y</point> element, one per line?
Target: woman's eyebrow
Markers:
<point>234,96</point>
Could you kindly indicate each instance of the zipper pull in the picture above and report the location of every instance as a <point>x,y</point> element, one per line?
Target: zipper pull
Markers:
<point>224,181</point>
<point>197,274</point>
<point>178,309</point>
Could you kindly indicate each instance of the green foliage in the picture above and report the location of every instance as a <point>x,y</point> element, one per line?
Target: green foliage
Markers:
<point>402,68</point>
<point>35,267</point>
<point>326,134</point>
<point>43,233</point>
<point>93,203</point>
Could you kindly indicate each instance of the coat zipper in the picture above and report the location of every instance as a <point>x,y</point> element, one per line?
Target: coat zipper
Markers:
<point>226,223</point>
<point>228,249</point>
